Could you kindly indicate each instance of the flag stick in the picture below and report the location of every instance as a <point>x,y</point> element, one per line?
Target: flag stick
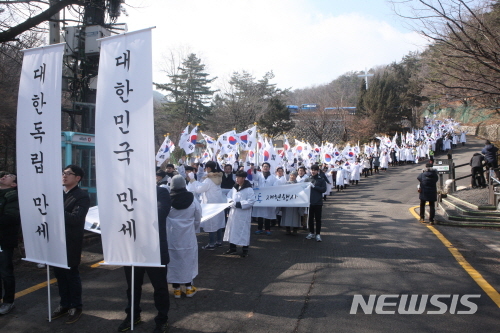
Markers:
<point>48,293</point>
<point>132,291</point>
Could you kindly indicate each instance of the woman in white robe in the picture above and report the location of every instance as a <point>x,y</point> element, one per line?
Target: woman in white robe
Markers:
<point>211,192</point>
<point>463,138</point>
<point>291,216</point>
<point>328,173</point>
<point>182,221</point>
<point>264,214</point>
<point>242,198</point>
<point>356,171</point>
<point>384,161</point>
<point>339,179</point>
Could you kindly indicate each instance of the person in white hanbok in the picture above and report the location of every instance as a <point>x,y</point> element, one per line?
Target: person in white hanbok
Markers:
<point>339,179</point>
<point>264,215</point>
<point>302,175</point>
<point>463,138</point>
<point>280,180</point>
<point>384,161</point>
<point>238,226</point>
<point>182,221</point>
<point>211,192</point>
<point>291,216</point>
<point>356,171</point>
<point>329,184</point>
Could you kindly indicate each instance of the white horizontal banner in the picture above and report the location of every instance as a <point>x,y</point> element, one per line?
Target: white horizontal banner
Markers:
<point>92,222</point>
<point>290,195</point>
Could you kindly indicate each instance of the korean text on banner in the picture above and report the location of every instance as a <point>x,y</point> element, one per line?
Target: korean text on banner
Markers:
<point>290,195</point>
<point>124,147</point>
<point>39,156</point>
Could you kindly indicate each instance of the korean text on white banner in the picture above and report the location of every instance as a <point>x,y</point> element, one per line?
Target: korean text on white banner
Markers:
<point>291,195</point>
<point>39,156</point>
<point>125,169</point>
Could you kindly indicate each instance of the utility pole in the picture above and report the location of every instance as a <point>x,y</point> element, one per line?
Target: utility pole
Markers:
<point>54,30</point>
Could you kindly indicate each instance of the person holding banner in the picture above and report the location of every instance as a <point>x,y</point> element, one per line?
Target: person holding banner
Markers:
<point>157,275</point>
<point>9,226</point>
<point>264,215</point>
<point>228,181</point>
<point>291,216</point>
<point>238,226</point>
<point>182,222</point>
<point>211,192</point>
<point>316,202</point>
<point>76,206</point>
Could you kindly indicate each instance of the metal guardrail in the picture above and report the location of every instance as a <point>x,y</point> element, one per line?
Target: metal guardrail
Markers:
<point>492,183</point>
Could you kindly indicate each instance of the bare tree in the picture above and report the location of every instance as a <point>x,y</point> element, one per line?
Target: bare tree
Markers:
<point>10,70</point>
<point>17,17</point>
<point>462,61</point>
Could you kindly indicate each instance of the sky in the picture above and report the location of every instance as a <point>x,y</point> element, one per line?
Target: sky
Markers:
<point>304,42</point>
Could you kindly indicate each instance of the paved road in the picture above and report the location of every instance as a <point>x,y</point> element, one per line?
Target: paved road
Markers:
<point>372,245</point>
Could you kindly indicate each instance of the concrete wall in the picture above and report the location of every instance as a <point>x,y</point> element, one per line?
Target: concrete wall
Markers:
<point>489,132</point>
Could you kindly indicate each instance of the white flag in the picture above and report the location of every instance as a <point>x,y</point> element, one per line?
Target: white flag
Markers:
<point>124,167</point>
<point>39,156</point>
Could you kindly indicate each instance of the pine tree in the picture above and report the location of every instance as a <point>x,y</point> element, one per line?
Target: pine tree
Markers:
<point>189,92</point>
<point>277,118</point>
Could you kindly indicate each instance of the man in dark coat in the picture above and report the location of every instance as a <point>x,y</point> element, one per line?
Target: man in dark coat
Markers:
<point>428,192</point>
<point>157,275</point>
<point>316,202</point>
<point>393,157</point>
<point>9,227</point>
<point>476,162</point>
<point>76,206</point>
<point>490,155</point>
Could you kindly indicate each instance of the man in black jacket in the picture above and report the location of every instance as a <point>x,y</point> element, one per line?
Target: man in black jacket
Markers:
<point>9,226</point>
<point>316,202</point>
<point>490,155</point>
<point>428,192</point>
<point>476,162</point>
<point>76,206</point>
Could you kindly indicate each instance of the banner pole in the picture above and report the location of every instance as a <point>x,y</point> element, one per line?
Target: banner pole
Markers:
<point>132,291</point>
<point>48,293</point>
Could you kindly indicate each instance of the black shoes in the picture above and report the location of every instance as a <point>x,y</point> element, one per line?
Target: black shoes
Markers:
<point>163,328</point>
<point>127,323</point>
<point>58,312</point>
<point>73,315</point>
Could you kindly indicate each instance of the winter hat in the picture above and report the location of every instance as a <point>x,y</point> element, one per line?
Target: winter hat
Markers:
<point>177,183</point>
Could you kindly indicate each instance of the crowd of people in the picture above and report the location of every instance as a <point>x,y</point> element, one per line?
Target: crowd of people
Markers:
<point>181,190</point>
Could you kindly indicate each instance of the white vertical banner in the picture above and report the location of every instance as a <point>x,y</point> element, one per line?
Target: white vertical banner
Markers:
<point>125,167</point>
<point>39,156</point>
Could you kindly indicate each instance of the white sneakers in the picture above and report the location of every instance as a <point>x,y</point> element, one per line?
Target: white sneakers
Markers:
<point>311,236</point>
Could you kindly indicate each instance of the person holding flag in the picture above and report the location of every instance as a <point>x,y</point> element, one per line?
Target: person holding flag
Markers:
<point>209,188</point>
<point>242,198</point>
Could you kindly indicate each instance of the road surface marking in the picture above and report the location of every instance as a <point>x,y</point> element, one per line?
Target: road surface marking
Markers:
<point>476,276</point>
